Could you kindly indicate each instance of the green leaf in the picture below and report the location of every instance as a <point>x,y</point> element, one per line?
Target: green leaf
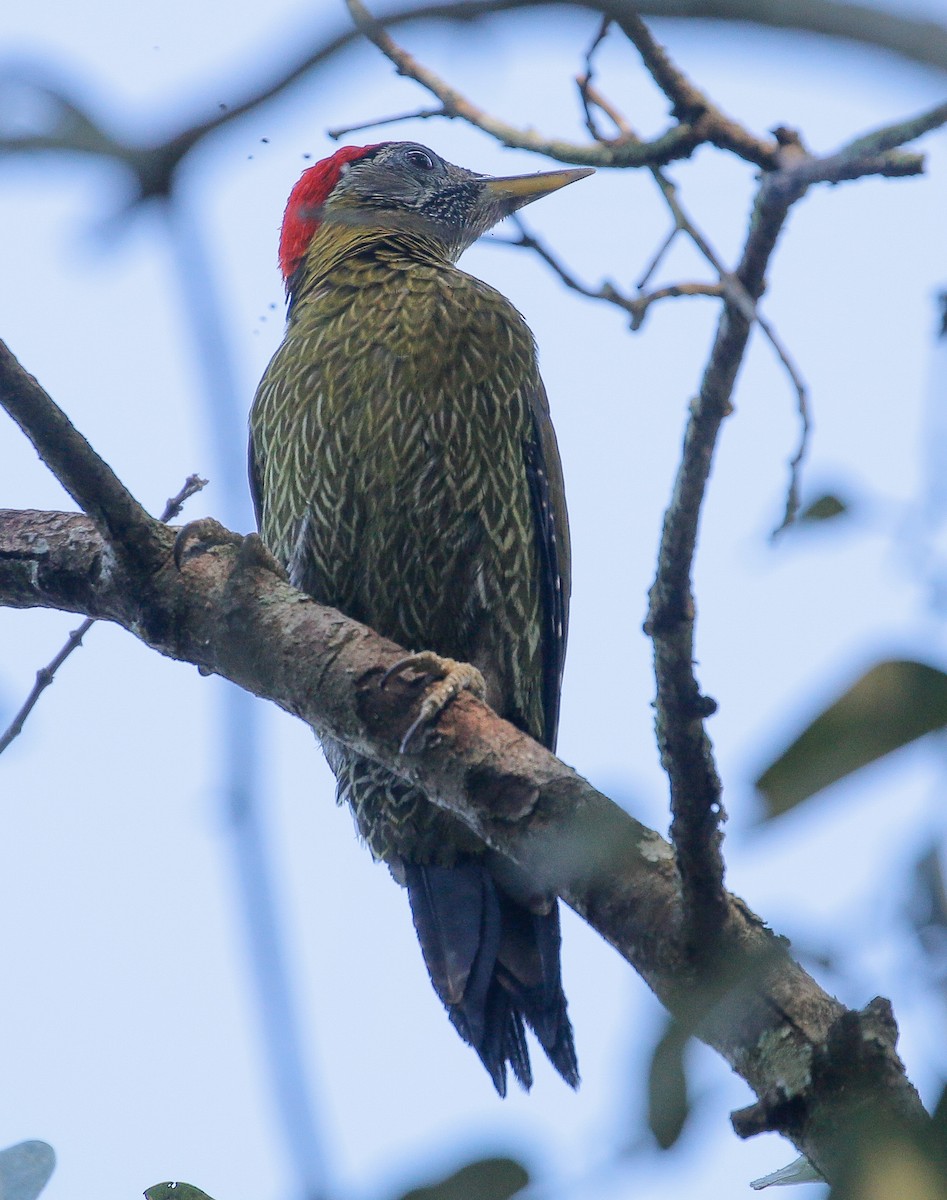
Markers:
<point>668,1103</point>
<point>175,1191</point>
<point>891,706</point>
<point>823,508</point>
<point>486,1179</point>
<point>25,1170</point>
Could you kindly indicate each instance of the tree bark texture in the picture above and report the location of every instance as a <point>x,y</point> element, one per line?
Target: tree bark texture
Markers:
<point>224,610</point>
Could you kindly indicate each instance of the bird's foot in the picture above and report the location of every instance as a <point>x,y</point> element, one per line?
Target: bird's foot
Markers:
<point>205,534</point>
<point>254,552</point>
<point>452,678</point>
<point>201,536</point>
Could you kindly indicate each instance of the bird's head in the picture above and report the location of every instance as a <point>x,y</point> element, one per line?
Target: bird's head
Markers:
<point>403,186</point>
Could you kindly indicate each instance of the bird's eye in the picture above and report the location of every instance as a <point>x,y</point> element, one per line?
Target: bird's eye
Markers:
<point>420,158</point>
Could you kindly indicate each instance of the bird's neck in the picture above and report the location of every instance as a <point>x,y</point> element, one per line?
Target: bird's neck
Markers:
<point>336,243</point>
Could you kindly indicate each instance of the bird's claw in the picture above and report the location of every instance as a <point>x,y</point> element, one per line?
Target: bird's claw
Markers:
<point>452,678</point>
<point>254,552</point>
<point>198,537</point>
<point>203,535</point>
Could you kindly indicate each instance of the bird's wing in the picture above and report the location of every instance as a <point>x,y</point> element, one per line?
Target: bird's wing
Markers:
<point>547,493</point>
<point>256,483</point>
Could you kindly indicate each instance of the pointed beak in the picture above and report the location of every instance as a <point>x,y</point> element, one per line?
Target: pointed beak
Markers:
<point>511,192</point>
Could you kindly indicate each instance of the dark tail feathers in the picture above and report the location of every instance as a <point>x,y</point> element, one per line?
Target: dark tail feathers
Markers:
<point>495,964</point>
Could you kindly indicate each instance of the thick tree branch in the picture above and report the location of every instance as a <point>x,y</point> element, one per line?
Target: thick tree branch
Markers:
<point>92,483</point>
<point>226,611</point>
<point>681,709</point>
<point>811,1062</point>
<point>46,675</point>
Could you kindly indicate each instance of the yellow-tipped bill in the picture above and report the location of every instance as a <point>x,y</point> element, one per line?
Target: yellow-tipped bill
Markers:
<point>517,190</point>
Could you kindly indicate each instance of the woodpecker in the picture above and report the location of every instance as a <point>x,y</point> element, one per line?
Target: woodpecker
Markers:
<point>404,469</point>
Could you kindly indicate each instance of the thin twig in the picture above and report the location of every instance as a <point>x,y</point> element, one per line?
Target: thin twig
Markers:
<point>584,81</point>
<point>657,258</point>
<point>670,291</point>
<point>678,141</point>
<point>635,306</point>
<point>172,508</point>
<point>805,427</point>
<point>528,241</point>
<point>421,114</point>
<point>46,675</point>
<point>730,287</point>
<point>693,108</point>
<point>734,291</point>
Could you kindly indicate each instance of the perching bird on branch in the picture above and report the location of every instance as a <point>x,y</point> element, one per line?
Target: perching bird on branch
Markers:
<point>405,470</point>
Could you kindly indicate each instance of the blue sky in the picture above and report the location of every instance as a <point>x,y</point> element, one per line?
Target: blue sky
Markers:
<point>130,1038</point>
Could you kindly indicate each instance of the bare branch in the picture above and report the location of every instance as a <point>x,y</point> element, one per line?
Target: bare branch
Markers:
<point>172,508</point>
<point>155,166</point>
<point>670,291</point>
<point>420,114</point>
<point>914,37</point>
<point>681,709</point>
<point>584,82</point>
<point>46,675</point>
<point>729,285</point>
<point>91,482</point>
<point>698,119</point>
<point>692,108</point>
<point>866,155</point>
<point>225,611</point>
<point>529,241</point>
<point>636,306</point>
<point>657,258</point>
<point>791,509</point>
<point>735,292</point>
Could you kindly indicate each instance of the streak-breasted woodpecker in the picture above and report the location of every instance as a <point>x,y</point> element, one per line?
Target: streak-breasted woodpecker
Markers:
<point>405,470</point>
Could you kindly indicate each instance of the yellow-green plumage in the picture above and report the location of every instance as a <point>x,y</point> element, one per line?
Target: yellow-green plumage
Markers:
<point>406,473</point>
